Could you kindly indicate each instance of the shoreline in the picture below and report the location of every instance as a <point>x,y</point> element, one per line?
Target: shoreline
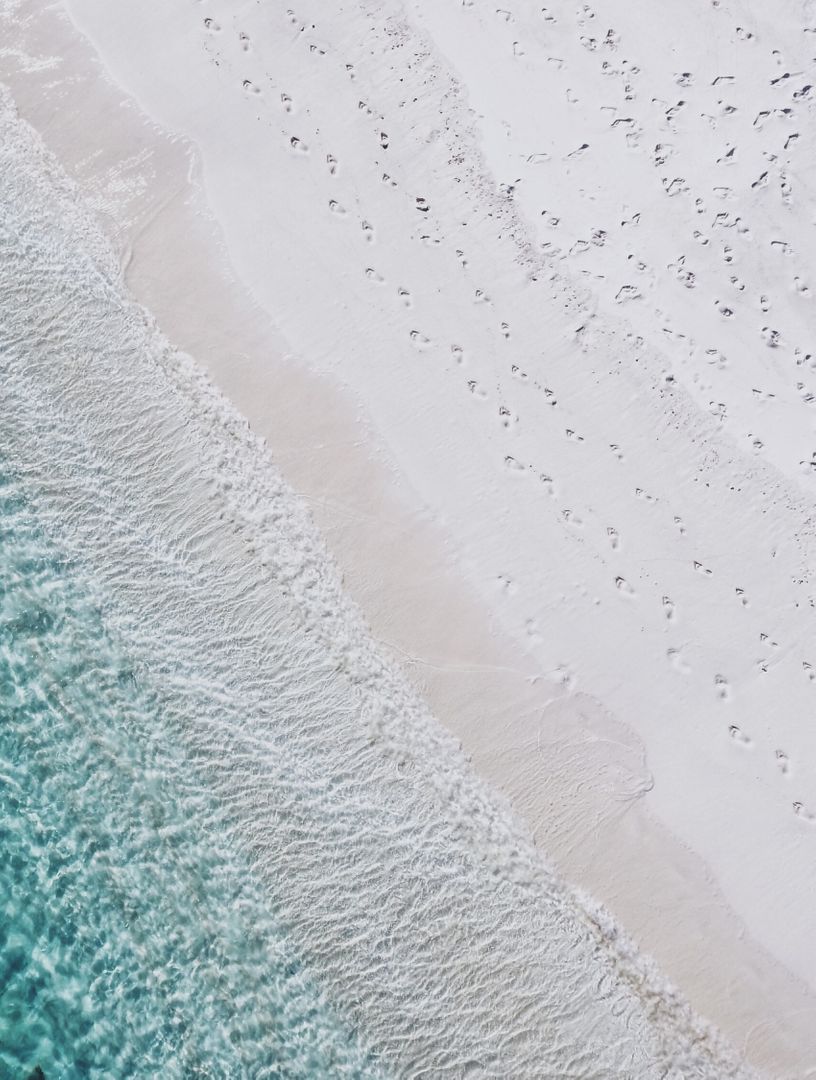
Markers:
<point>411,611</point>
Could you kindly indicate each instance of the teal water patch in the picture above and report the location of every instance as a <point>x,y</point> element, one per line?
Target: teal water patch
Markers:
<point>132,942</point>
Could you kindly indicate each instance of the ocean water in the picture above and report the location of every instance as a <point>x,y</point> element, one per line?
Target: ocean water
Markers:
<point>232,841</point>
<point>130,943</point>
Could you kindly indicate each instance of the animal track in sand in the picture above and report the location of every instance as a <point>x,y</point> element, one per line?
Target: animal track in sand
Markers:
<point>669,609</point>
<point>299,145</point>
<point>405,297</point>
<point>250,87</point>
<point>476,390</point>
<point>783,762</point>
<point>614,538</point>
<point>698,566</point>
<point>513,463</point>
<point>372,275</point>
<point>212,26</point>
<point>244,42</point>
<point>573,436</point>
<point>336,208</point>
<point>458,353</point>
<point>286,102</point>
<point>368,231</point>
<point>331,161</point>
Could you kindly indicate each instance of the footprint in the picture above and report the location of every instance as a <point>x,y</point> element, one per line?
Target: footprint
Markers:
<point>627,293</point>
<point>771,337</point>
<point>803,813</point>
<point>458,353</point>
<point>299,145</point>
<point>405,297</point>
<point>675,658</point>
<point>331,161</point>
<point>244,40</point>
<point>783,761</point>
<point>698,566</point>
<point>739,736</point>
<point>368,231</point>
<point>384,140</point>
<point>250,87</point>
<point>372,275</point>
<point>614,538</point>
<point>513,463</point>
<point>286,102</point>
<point>743,599</point>
<point>668,608</point>
<point>574,436</point>
<point>212,26</point>
<point>419,340</point>
<point>336,208</point>
<point>476,390</point>
<point>624,588</point>
<point>723,691</point>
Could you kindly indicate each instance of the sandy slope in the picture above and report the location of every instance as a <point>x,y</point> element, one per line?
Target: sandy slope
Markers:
<point>550,396</point>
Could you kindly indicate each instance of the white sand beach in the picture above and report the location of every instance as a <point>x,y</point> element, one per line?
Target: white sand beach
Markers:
<point>520,299</point>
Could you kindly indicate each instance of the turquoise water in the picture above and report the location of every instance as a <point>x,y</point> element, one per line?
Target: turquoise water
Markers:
<point>130,943</point>
<point>233,842</point>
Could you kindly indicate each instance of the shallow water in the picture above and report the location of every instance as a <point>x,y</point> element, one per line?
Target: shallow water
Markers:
<point>131,944</point>
<point>234,842</point>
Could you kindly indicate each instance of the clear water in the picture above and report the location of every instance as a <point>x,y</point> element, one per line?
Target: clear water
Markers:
<point>232,842</point>
<point>130,943</point>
